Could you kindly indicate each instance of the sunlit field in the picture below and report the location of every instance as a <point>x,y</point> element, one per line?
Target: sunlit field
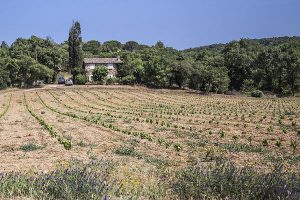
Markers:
<point>140,139</point>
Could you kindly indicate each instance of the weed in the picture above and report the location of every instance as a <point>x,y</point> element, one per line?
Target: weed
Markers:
<point>265,142</point>
<point>177,147</point>
<point>81,144</point>
<point>30,147</point>
<point>126,151</point>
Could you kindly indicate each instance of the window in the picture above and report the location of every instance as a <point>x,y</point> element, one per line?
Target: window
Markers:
<point>110,66</point>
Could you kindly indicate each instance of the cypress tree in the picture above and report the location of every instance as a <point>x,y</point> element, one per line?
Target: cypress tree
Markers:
<point>75,48</point>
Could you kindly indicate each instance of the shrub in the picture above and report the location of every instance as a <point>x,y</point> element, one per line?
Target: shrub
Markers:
<point>257,93</point>
<point>77,182</point>
<point>128,80</point>
<point>81,79</point>
<point>248,85</point>
<point>226,181</point>
<point>111,81</point>
<point>30,147</point>
<point>126,151</point>
<point>99,74</point>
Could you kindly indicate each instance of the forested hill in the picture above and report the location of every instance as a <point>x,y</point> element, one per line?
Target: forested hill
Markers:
<point>268,64</point>
<point>263,41</point>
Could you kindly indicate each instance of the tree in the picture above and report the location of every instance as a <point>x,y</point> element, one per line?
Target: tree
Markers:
<point>291,64</point>
<point>131,46</point>
<point>63,52</point>
<point>99,74</point>
<point>142,47</point>
<point>4,45</point>
<point>4,78</point>
<point>43,51</point>
<point>269,70</point>
<point>3,53</point>
<point>75,48</point>
<point>92,46</point>
<point>111,46</point>
<point>220,79</point>
<point>31,71</point>
<point>133,67</point>
<point>209,79</point>
<point>14,72</point>
<point>238,61</point>
<point>21,47</point>
<point>159,45</point>
<point>180,72</point>
<point>4,74</point>
<point>39,72</point>
<point>264,75</point>
<point>210,58</point>
<point>156,72</point>
<point>24,63</point>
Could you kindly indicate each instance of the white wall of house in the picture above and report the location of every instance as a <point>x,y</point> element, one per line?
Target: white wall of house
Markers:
<point>91,78</point>
<point>90,66</point>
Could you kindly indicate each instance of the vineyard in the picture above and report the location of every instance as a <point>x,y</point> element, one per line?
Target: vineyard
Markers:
<point>145,129</point>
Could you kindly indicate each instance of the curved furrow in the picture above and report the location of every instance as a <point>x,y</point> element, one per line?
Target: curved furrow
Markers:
<point>19,130</point>
<point>102,137</point>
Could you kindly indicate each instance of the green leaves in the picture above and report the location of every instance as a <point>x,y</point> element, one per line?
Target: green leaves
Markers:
<point>156,71</point>
<point>209,79</point>
<point>100,73</point>
<point>92,46</point>
<point>75,46</point>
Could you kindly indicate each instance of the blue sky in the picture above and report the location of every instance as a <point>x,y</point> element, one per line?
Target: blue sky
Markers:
<point>178,23</point>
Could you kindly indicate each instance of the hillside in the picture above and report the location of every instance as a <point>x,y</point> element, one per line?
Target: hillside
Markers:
<point>272,41</point>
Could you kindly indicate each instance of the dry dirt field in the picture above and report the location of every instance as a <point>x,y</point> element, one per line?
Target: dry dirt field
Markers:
<point>145,127</point>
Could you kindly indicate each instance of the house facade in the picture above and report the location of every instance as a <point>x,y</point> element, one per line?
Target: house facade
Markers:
<point>91,63</point>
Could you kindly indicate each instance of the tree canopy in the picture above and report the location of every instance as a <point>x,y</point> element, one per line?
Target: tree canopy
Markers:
<point>269,64</point>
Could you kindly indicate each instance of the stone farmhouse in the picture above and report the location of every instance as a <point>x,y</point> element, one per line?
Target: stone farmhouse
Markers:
<point>91,63</point>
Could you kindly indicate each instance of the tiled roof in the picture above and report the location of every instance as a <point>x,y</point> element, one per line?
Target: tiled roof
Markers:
<point>101,60</point>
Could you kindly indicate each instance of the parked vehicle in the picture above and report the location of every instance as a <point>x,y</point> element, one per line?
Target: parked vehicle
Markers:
<point>61,80</point>
<point>68,82</point>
